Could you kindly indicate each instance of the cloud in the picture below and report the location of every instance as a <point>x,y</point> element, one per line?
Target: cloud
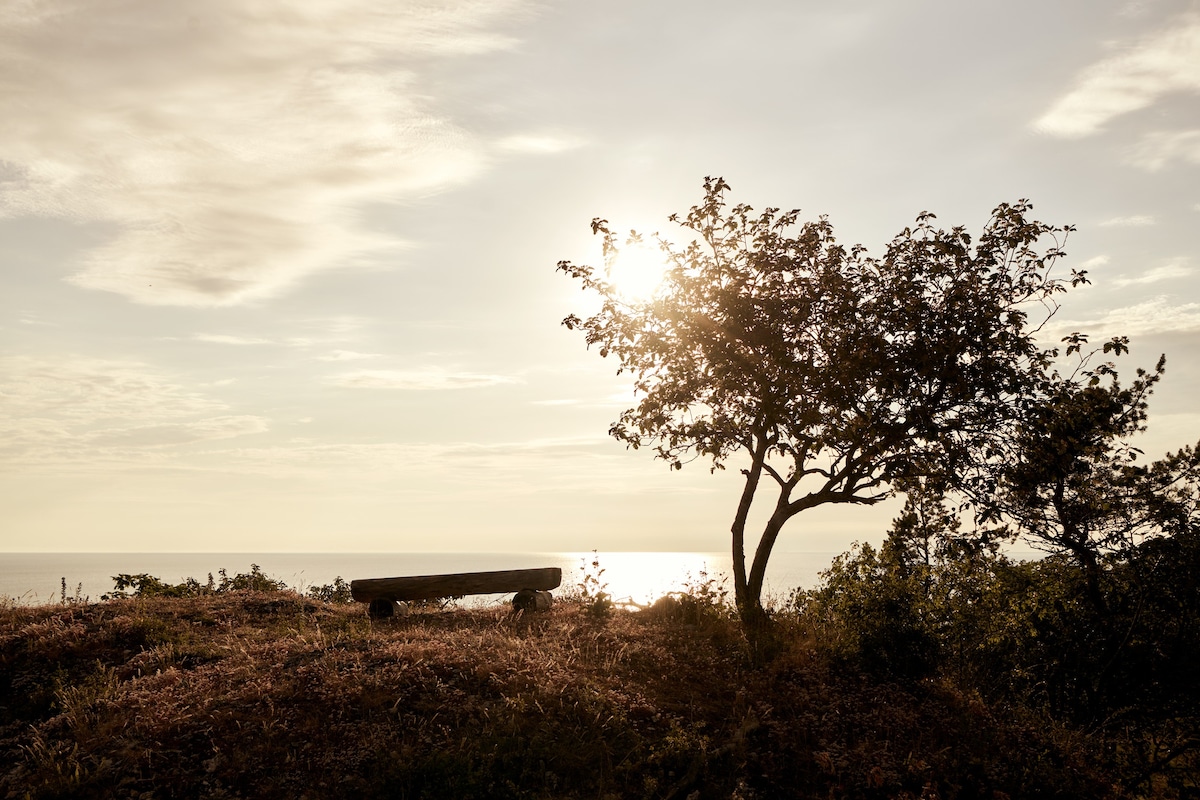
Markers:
<point>1174,269</point>
<point>1154,316</point>
<point>32,318</point>
<point>229,144</point>
<point>538,466</point>
<point>1156,150</point>
<point>623,399</point>
<point>1136,221</point>
<point>540,144</point>
<point>320,332</point>
<point>79,416</point>
<point>220,338</point>
<point>347,355</point>
<point>1093,262</point>
<point>81,410</point>
<point>1160,64</point>
<point>1133,9</point>
<point>417,380</point>
<point>84,390</point>
<point>166,434</point>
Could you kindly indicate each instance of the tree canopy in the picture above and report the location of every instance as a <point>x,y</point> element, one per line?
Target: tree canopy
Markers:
<point>830,373</point>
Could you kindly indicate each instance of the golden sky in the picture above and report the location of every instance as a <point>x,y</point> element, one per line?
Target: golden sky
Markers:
<point>280,275</point>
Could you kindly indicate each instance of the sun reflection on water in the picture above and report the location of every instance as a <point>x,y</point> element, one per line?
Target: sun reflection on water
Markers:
<point>644,577</point>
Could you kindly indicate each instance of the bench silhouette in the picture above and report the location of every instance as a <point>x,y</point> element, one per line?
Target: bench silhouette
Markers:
<point>531,585</point>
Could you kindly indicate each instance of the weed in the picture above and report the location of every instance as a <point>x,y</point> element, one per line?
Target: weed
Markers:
<point>592,589</point>
<point>708,594</point>
<point>69,599</point>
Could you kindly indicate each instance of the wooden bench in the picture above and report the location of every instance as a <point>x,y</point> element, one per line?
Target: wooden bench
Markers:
<point>531,585</point>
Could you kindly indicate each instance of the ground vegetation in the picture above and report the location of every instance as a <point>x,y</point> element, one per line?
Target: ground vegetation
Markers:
<point>955,676</point>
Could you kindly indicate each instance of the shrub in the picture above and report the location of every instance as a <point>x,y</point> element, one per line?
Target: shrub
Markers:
<point>146,585</point>
<point>336,592</point>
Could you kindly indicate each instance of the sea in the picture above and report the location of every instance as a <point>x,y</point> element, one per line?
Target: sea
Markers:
<point>637,577</point>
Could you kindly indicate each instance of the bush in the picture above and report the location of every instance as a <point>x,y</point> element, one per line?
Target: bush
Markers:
<point>145,585</point>
<point>336,592</point>
<point>1028,635</point>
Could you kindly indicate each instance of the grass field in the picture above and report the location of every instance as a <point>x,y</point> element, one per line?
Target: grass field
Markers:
<point>272,695</point>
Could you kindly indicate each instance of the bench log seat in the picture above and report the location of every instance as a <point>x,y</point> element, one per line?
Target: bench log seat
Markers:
<point>383,593</point>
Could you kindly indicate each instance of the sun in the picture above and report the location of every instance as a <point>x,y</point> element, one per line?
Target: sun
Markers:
<point>637,271</point>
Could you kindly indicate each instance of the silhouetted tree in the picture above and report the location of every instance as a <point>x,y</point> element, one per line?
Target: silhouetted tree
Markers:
<point>1074,484</point>
<point>832,373</point>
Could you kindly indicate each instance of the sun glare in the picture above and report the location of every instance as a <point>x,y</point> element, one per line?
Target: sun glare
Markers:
<point>637,271</point>
<point>645,577</point>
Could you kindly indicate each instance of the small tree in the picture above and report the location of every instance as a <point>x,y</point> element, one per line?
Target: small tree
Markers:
<point>832,373</point>
<point>1074,484</point>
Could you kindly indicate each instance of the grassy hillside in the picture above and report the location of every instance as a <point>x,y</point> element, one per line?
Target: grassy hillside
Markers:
<point>269,694</point>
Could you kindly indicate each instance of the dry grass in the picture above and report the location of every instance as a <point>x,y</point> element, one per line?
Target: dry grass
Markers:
<point>264,695</point>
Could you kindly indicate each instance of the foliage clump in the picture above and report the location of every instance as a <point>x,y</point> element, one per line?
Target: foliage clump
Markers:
<point>336,592</point>
<point>931,605</point>
<point>146,585</point>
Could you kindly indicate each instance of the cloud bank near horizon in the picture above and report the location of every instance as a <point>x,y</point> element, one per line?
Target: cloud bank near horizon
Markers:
<point>231,145</point>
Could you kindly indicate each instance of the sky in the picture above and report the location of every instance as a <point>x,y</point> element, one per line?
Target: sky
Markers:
<point>279,275</point>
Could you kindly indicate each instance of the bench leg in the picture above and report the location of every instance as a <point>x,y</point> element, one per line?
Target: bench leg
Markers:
<point>382,608</point>
<point>532,600</point>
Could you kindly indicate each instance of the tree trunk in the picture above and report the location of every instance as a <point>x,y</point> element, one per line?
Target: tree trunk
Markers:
<point>1078,543</point>
<point>754,615</point>
<point>741,594</point>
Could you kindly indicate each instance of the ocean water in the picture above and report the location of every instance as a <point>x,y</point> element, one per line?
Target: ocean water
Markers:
<point>37,578</point>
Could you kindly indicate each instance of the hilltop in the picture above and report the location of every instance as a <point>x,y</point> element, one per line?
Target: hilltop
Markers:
<point>272,694</point>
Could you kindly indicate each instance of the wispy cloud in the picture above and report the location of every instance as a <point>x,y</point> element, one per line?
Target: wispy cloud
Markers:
<point>33,318</point>
<point>535,466</point>
<point>416,380</point>
<point>1177,268</point>
<point>71,410</point>
<point>221,338</point>
<point>1165,62</point>
<point>347,355</point>
<point>167,434</point>
<point>1093,262</point>
<point>1157,315</point>
<point>1136,8</point>
<point>86,390</point>
<point>548,143</point>
<point>230,144</point>
<point>317,333</point>
<point>1135,221</point>
<point>75,415</point>
<point>1156,150</point>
